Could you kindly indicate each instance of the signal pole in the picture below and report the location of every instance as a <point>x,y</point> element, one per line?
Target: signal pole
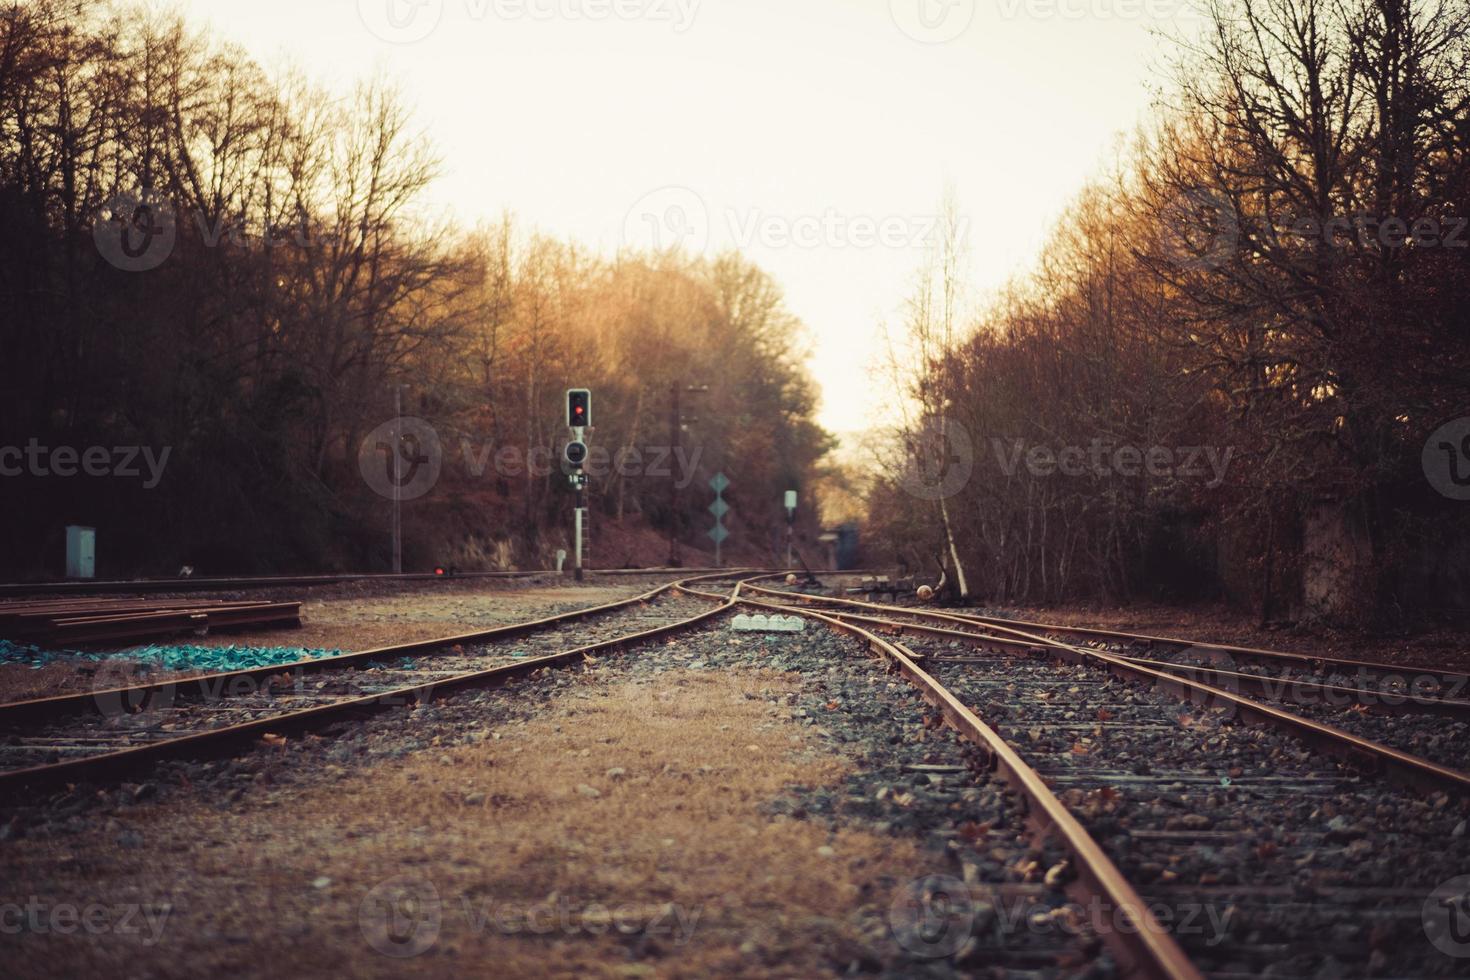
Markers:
<point>581,520</point>
<point>790,502</point>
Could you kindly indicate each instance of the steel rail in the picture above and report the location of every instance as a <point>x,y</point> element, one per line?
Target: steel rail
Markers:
<point>1257,654</point>
<point>1142,945</point>
<point>136,697</point>
<point>224,741</point>
<point>105,586</point>
<point>1294,689</point>
<point>1326,738</point>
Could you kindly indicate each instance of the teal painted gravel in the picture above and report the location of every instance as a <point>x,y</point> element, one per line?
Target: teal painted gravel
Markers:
<point>167,657</point>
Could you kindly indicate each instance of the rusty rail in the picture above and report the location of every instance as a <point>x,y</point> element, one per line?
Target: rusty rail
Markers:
<point>136,697</point>
<point>1141,944</point>
<point>224,741</point>
<point>1326,738</point>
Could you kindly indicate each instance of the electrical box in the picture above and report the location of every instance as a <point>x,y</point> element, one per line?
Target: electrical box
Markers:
<point>81,552</point>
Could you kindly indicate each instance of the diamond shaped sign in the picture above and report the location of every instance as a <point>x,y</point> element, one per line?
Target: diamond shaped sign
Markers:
<point>718,483</point>
<point>719,508</point>
<point>718,533</point>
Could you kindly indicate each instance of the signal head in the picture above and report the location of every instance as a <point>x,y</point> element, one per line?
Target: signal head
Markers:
<point>579,408</point>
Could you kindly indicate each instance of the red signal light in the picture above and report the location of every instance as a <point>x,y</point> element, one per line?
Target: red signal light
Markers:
<point>579,408</point>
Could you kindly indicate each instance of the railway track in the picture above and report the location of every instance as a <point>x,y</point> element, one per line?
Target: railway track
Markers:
<point>1393,721</point>
<point>1263,851</point>
<point>1246,849</point>
<point>1300,678</point>
<point>1187,844</point>
<point>116,730</point>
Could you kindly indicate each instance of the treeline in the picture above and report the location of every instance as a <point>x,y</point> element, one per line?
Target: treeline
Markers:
<point>235,272</point>
<point>1227,371</point>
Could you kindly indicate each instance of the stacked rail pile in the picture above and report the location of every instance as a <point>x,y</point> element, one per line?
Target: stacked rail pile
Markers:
<point>58,622</point>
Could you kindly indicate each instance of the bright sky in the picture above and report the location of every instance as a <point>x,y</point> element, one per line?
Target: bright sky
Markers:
<point>816,135</point>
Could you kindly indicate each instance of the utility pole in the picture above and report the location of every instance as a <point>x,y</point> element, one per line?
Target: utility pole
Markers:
<point>675,428</point>
<point>790,503</point>
<point>676,432</point>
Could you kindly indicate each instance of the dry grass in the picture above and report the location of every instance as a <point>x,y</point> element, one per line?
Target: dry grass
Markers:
<point>681,827</point>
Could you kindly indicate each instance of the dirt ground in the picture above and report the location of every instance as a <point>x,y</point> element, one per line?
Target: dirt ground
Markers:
<point>617,832</point>
<point>354,616</point>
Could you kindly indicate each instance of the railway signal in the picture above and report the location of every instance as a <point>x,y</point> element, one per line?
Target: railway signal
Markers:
<point>579,417</point>
<point>579,409</point>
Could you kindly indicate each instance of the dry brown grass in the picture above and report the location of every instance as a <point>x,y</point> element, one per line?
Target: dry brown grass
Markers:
<point>701,752</point>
